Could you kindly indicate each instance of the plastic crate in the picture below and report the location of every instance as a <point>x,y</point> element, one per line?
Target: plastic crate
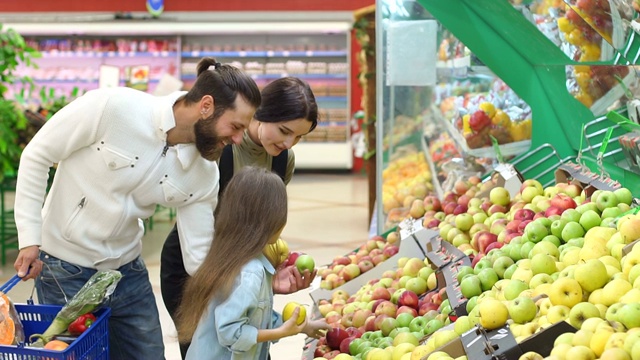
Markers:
<point>93,344</point>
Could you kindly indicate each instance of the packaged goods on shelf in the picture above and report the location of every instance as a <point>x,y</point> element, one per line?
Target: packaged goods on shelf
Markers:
<point>317,67</point>
<point>338,68</point>
<point>295,67</point>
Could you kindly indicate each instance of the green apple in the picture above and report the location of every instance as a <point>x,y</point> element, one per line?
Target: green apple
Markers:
<point>464,221</point>
<point>462,325</point>
<point>606,199</point>
<point>590,219</point>
<point>608,222</point>
<point>587,206</point>
<point>552,239</point>
<point>482,264</point>
<point>522,309</point>
<point>581,312</point>
<point>546,222</point>
<point>613,312</point>
<point>525,249</point>
<point>540,279</point>
<point>501,264</point>
<point>432,326</point>
<point>463,271</point>
<point>513,289</point>
<point>514,251</point>
<point>470,286</point>
<point>572,230</point>
<point>404,319</point>
<point>543,264</point>
<point>509,272</point>
<point>591,275</point>
<point>571,215</point>
<point>546,247</point>
<point>499,196</point>
<point>624,195</point>
<point>611,212</point>
<point>305,262</point>
<point>418,323</point>
<point>488,277</point>
<point>557,226</point>
<point>629,315</point>
<point>536,231</point>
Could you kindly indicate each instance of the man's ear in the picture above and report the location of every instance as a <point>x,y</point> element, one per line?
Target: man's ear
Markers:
<point>207,105</point>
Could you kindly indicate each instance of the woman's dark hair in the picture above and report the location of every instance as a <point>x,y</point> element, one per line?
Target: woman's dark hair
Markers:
<point>223,82</point>
<point>285,99</point>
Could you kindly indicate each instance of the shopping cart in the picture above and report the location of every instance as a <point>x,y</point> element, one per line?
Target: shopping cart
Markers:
<point>93,344</point>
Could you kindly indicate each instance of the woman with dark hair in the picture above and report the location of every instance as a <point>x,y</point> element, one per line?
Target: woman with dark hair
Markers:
<point>287,112</point>
<point>120,153</point>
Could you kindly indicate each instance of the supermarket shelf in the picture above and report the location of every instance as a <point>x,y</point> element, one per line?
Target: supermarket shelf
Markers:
<point>78,81</point>
<point>324,155</point>
<point>510,149</point>
<point>108,54</point>
<point>434,172</point>
<point>263,54</point>
<point>332,123</point>
<point>278,76</point>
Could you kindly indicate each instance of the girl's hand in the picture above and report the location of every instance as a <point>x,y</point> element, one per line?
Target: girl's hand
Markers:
<point>316,328</point>
<point>290,327</point>
<point>289,280</point>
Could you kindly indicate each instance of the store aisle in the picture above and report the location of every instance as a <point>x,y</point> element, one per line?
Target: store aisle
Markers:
<point>327,217</point>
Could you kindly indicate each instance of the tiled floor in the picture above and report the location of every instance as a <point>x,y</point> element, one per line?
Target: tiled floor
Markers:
<point>327,217</point>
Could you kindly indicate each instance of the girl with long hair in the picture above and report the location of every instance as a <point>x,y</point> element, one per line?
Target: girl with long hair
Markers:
<point>227,307</point>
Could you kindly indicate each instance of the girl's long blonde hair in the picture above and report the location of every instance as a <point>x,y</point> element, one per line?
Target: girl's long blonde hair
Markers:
<point>252,209</point>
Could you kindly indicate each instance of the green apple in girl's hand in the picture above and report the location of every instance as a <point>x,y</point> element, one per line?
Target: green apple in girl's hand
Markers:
<point>305,262</point>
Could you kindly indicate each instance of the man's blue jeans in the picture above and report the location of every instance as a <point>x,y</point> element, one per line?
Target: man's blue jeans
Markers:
<point>134,325</point>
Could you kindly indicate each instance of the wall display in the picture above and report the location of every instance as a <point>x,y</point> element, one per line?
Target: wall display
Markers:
<point>319,57</point>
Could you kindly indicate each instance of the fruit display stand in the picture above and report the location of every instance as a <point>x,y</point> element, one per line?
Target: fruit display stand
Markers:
<point>408,247</point>
<point>536,70</point>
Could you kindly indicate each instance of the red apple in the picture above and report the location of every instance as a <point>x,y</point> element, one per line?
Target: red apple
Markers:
<point>553,210</point>
<point>369,324</point>
<point>386,308</point>
<point>365,265</point>
<point>425,307</point>
<point>432,224</point>
<point>523,214</point>
<point>335,337</point>
<point>378,321</point>
<point>408,298</point>
<point>344,345</point>
<point>459,209</point>
<point>494,245</point>
<point>390,250</point>
<point>293,256</point>
<point>563,201</point>
<point>375,304</point>
<point>483,239</point>
<point>321,350</point>
<point>380,293</point>
<point>464,200</point>
<point>539,215</point>
<point>513,225</point>
<point>340,260</point>
<point>449,208</point>
<point>331,354</point>
<point>360,317</point>
<point>407,309</point>
<point>431,202</point>
<point>476,259</point>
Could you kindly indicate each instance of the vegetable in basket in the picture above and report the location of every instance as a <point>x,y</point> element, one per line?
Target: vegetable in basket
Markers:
<point>86,300</point>
<point>11,330</point>
<point>81,324</point>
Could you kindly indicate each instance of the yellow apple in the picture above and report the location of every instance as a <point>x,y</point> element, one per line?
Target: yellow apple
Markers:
<point>616,340</point>
<point>615,354</point>
<point>530,355</point>
<point>591,275</point>
<point>593,250</point>
<point>493,314</point>
<point>566,338</point>
<point>420,351</point>
<point>630,230</point>
<point>610,260</point>
<point>561,350</point>
<point>402,349</point>
<point>558,313</point>
<point>582,337</point>
<point>614,290</point>
<point>599,232</point>
<point>633,274</point>
<point>632,296</point>
<point>591,324</point>
<point>580,353</point>
<point>599,339</point>
<point>596,296</point>
<point>565,291</point>
<point>544,305</point>
<point>603,309</point>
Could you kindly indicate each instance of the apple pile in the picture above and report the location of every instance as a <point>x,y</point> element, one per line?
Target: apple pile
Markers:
<point>405,300</point>
<point>366,257</point>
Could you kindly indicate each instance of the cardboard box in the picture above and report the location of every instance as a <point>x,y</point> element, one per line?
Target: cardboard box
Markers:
<point>454,348</point>
<point>589,181</point>
<point>488,345</point>
<point>449,274</point>
<point>506,176</point>
<point>542,342</point>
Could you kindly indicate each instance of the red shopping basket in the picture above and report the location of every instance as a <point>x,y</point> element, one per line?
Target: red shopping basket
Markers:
<point>93,344</point>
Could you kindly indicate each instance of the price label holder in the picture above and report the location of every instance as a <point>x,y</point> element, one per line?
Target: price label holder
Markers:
<point>542,342</point>
<point>449,274</point>
<point>504,174</point>
<point>481,344</point>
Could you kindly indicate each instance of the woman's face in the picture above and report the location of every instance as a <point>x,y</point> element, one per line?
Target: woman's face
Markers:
<point>277,137</point>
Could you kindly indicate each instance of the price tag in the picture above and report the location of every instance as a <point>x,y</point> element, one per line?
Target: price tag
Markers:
<point>286,53</point>
<point>309,53</point>
<point>111,54</point>
<point>242,54</point>
<point>270,53</point>
<point>164,53</point>
<point>195,53</point>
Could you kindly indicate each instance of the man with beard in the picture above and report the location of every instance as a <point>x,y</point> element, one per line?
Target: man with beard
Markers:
<point>121,152</point>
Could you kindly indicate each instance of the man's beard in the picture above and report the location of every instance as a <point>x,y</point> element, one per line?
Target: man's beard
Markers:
<point>208,142</point>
